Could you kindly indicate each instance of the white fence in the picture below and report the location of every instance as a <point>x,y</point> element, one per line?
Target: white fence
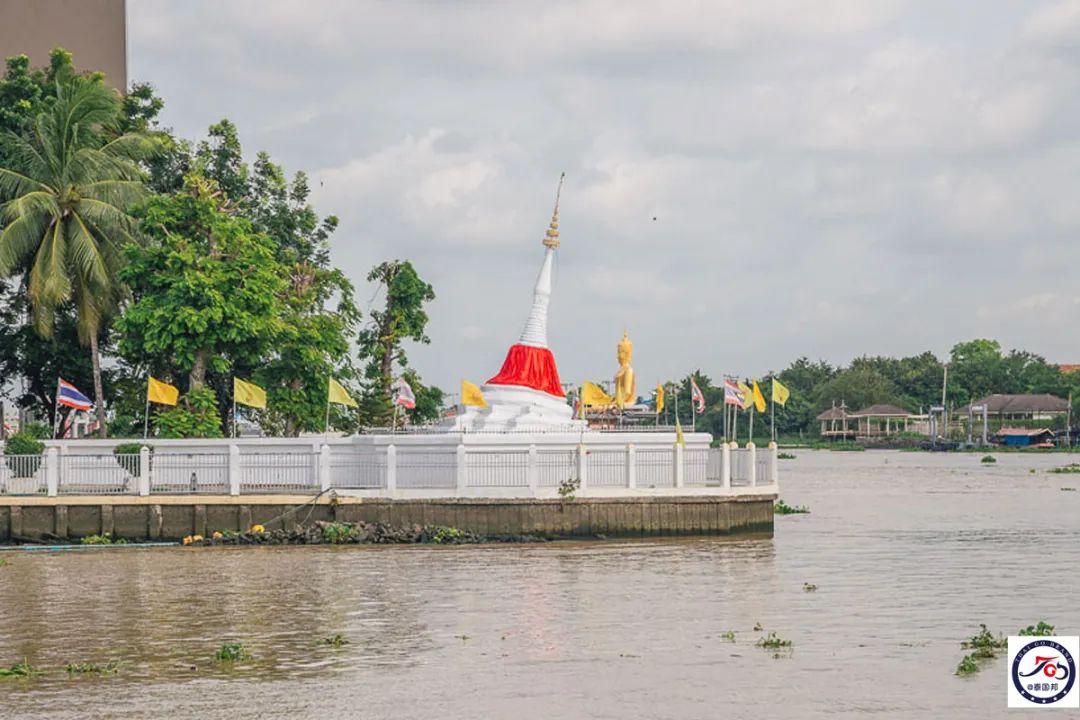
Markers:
<point>405,470</point>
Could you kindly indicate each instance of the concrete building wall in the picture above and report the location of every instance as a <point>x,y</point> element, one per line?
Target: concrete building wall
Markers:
<point>94,31</point>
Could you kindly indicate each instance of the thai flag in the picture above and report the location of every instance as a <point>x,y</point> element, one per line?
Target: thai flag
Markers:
<point>403,394</point>
<point>69,396</point>
<point>732,394</point>
<point>697,396</point>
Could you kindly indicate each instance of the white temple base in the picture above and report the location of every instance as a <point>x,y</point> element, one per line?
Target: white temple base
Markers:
<point>515,408</point>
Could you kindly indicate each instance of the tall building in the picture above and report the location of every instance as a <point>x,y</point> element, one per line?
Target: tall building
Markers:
<point>94,31</point>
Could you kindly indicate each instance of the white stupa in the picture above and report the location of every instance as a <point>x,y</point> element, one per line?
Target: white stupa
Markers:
<point>526,393</point>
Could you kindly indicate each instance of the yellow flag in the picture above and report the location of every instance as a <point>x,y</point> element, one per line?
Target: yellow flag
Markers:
<point>679,439</point>
<point>780,394</point>
<point>337,394</point>
<point>759,399</point>
<point>747,395</point>
<point>161,393</point>
<point>246,393</point>
<point>593,396</point>
<point>471,395</point>
<point>659,398</point>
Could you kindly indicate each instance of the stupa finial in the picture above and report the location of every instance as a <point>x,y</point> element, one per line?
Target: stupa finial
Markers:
<point>551,237</point>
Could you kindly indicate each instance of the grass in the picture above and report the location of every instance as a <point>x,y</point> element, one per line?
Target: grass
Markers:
<point>3,562</point>
<point>335,641</point>
<point>782,508</point>
<point>1070,469</point>
<point>447,535</point>
<point>232,652</point>
<point>106,539</point>
<point>988,459</point>
<point>809,587</point>
<point>19,670</point>
<point>337,533</point>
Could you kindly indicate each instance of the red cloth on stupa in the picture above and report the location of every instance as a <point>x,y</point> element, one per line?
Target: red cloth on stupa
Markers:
<point>531,367</point>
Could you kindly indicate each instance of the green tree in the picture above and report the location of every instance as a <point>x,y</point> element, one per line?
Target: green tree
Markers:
<point>857,388</point>
<point>68,189</point>
<point>207,290</point>
<point>402,318</point>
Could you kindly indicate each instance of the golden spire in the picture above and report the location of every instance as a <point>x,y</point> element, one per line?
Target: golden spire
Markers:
<point>625,344</point>
<point>551,237</point>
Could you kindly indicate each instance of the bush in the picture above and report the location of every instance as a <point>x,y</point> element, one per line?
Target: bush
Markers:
<point>127,456</point>
<point>23,443</point>
<point>41,431</point>
<point>195,417</point>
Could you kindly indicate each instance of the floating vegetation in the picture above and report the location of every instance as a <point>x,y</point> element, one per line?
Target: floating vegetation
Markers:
<point>785,456</point>
<point>809,587</point>
<point>336,641</point>
<point>19,670</point>
<point>232,652</point>
<point>988,459</point>
<point>90,668</point>
<point>758,627</point>
<point>3,562</point>
<point>1064,489</point>
<point>360,533</point>
<point>986,645</point>
<point>772,641</point>
<point>968,665</point>
<point>728,636</point>
<point>1043,629</point>
<point>782,508</point>
<point>1070,469</point>
<point>105,539</point>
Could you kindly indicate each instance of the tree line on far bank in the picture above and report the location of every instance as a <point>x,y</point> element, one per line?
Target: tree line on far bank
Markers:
<point>126,252</point>
<point>976,369</point>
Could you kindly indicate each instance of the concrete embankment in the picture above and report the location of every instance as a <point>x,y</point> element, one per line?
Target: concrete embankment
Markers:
<point>173,517</point>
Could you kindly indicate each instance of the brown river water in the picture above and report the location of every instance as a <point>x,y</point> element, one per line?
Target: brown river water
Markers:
<point>910,551</point>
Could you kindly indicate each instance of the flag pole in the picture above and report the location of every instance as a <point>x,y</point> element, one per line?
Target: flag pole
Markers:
<point>234,409</point>
<point>56,410</point>
<point>752,423</point>
<point>326,430</point>
<point>146,414</point>
<point>772,419</point>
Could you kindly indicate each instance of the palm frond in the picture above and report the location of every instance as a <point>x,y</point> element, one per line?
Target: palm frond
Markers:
<point>84,249</point>
<point>19,239</point>
<point>49,284</point>
<point>119,193</point>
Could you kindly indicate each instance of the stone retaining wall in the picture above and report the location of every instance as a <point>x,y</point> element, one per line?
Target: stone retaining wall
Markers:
<point>38,518</point>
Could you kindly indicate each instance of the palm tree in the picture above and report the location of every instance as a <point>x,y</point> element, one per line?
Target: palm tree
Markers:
<point>68,186</point>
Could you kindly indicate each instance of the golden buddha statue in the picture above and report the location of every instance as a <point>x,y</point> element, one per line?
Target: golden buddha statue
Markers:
<point>625,386</point>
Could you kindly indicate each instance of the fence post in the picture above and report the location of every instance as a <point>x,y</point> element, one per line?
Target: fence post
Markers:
<point>677,467</point>
<point>751,463</point>
<point>725,466</point>
<point>533,471</point>
<point>461,470</point>
<point>391,470</point>
<point>631,466</point>
<point>324,468</point>
<point>774,463</point>
<point>582,466</point>
<point>234,470</point>
<point>52,471</point>
<point>144,470</point>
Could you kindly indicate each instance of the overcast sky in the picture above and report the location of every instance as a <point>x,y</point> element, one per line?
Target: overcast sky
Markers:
<point>827,178</point>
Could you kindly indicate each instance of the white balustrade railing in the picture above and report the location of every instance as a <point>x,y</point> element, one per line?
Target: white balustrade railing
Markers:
<point>397,470</point>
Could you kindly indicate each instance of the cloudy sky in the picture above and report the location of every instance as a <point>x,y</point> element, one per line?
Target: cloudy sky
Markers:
<point>746,182</point>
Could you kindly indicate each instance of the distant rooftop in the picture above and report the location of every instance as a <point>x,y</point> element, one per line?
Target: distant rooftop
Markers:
<point>881,410</point>
<point>1017,404</point>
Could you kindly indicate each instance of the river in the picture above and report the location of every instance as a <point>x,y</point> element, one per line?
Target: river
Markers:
<point>909,551</point>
